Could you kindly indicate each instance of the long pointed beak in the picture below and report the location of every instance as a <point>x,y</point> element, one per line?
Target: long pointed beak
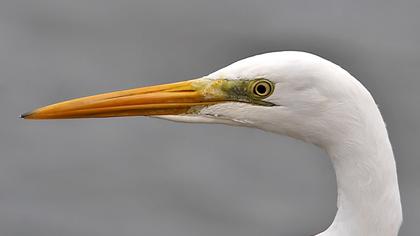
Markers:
<point>166,99</point>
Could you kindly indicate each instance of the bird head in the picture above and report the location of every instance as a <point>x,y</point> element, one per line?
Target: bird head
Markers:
<point>293,93</point>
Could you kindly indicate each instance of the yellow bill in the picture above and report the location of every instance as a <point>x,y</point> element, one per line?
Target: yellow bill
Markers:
<point>167,99</point>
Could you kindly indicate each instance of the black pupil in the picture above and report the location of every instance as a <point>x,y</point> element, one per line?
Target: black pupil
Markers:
<point>261,89</point>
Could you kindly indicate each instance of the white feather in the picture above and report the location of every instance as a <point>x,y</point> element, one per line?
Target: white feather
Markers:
<point>320,103</point>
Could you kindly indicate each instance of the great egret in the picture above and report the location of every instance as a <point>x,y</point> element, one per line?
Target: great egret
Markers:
<point>291,93</point>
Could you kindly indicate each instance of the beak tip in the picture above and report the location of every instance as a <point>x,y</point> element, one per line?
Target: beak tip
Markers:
<point>26,115</point>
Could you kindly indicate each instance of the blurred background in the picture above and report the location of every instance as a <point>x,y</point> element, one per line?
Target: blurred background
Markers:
<point>143,176</point>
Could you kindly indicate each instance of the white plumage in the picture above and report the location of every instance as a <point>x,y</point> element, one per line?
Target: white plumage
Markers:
<point>321,103</point>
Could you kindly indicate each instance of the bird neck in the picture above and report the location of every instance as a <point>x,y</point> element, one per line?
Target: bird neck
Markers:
<point>368,198</point>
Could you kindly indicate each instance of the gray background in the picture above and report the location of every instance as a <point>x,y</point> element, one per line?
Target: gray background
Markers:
<point>142,176</point>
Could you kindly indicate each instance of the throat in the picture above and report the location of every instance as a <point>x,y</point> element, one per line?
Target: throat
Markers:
<point>368,198</point>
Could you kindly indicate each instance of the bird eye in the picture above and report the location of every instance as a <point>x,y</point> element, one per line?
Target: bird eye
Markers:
<point>262,88</point>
